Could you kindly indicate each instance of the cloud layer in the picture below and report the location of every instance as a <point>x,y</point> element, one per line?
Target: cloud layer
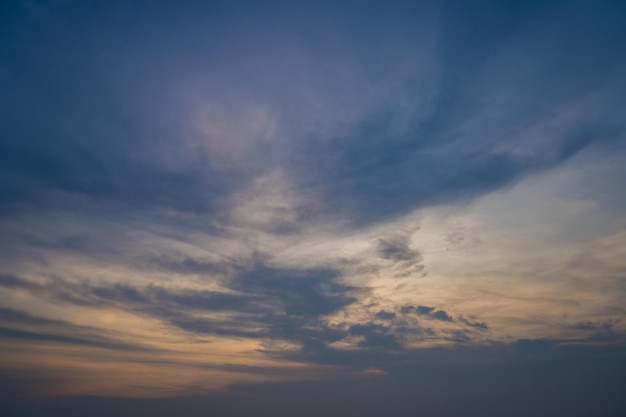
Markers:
<point>229,198</point>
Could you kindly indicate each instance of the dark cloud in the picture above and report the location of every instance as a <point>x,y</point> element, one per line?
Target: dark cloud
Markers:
<point>468,146</point>
<point>397,249</point>
<point>269,304</point>
<point>25,335</point>
<point>297,292</point>
<point>192,266</point>
<point>93,109</point>
<point>588,325</point>
<point>375,336</point>
<point>420,310</point>
<point>89,125</point>
<point>423,310</point>
<point>416,174</point>
<point>266,302</point>
<point>11,281</point>
<point>159,297</point>
<point>17,325</point>
<point>600,331</point>
<point>385,315</point>
<point>476,324</point>
<point>441,315</point>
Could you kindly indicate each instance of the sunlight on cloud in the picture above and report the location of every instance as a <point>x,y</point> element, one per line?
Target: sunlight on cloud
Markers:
<point>254,200</point>
<point>201,310</point>
<point>526,261</point>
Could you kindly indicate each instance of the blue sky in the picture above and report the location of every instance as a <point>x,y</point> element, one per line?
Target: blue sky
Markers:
<point>341,207</point>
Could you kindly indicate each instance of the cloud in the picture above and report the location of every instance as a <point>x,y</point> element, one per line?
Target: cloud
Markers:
<point>261,301</point>
<point>424,134</point>
<point>296,308</point>
<point>301,293</point>
<point>375,336</point>
<point>441,315</point>
<point>253,178</point>
<point>12,281</point>
<point>429,312</point>
<point>17,325</point>
<point>477,324</point>
<point>397,249</point>
<point>385,315</point>
<point>424,309</point>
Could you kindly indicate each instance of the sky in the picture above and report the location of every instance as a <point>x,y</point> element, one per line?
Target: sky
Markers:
<point>300,208</point>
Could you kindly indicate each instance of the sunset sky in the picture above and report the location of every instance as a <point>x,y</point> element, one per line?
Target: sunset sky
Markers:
<point>263,208</point>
